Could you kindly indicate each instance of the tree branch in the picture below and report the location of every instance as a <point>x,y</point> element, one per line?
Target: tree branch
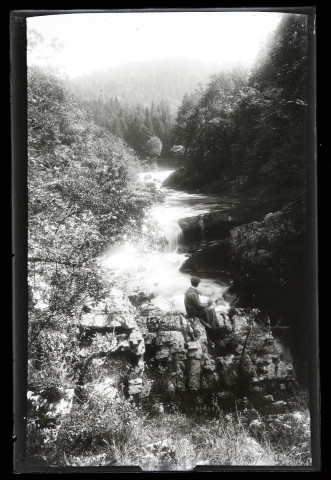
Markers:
<point>49,260</point>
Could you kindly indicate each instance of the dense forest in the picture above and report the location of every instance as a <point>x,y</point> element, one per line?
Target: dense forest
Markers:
<point>144,82</point>
<point>135,124</point>
<point>139,100</point>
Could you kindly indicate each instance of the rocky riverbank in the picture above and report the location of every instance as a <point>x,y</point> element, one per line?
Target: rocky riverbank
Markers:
<point>164,356</point>
<point>260,238</point>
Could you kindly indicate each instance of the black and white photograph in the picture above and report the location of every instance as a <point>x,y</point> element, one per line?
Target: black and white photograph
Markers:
<point>171,299</point>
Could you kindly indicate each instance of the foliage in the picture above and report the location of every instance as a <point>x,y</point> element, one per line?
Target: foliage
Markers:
<point>154,147</point>
<point>53,352</point>
<point>83,196</point>
<point>136,124</point>
<point>286,53</point>
<point>271,250</point>
<point>248,133</point>
<point>252,125</point>
<point>100,424</point>
<point>97,425</point>
<point>41,51</point>
<point>205,123</point>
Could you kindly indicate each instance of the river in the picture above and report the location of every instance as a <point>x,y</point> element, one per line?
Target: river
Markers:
<point>158,272</point>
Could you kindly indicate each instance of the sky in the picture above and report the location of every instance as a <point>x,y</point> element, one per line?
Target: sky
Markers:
<point>94,41</point>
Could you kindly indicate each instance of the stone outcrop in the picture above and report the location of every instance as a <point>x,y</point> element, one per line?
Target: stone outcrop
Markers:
<point>209,226</point>
<point>240,358</point>
<point>112,346</point>
<point>211,259</point>
<point>144,351</point>
<point>179,179</point>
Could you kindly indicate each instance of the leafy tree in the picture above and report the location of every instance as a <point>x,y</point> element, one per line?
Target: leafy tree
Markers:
<point>185,127</point>
<point>137,134</point>
<point>205,124</point>
<point>154,147</point>
<point>282,66</point>
<point>281,78</point>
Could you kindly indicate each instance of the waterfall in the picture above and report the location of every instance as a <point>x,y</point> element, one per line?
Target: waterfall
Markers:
<point>158,273</point>
<point>174,235</point>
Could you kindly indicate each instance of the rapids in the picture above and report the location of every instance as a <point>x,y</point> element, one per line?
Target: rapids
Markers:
<point>157,273</point>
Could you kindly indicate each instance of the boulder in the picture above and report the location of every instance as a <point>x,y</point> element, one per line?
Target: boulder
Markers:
<point>105,389</point>
<point>210,226</point>
<point>116,313</point>
<point>209,260</point>
<point>176,179</point>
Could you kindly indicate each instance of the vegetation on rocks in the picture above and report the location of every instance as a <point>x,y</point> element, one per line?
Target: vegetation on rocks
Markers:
<point>83,195</point>
<point>152,389</point>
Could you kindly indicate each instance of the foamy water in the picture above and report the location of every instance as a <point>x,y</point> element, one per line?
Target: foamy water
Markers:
<point>158,272</point>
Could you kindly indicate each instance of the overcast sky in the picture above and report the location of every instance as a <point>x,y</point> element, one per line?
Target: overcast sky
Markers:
<point>101,40</point>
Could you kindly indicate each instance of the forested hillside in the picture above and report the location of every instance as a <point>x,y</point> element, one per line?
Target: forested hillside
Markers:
<point>139,101</point>
<point>146,82</point>
<point>135,124</point>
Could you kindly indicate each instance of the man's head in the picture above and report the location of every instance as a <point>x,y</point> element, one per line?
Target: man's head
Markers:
<point>195,281</point>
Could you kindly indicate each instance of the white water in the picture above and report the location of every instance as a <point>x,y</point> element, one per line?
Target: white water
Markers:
<point>156,272</point>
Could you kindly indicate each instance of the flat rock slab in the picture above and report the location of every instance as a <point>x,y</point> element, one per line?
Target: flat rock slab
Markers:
<point>96,319</point>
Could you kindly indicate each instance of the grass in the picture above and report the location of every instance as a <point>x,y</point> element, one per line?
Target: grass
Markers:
<point>120,433</point>
<point>181,443</point>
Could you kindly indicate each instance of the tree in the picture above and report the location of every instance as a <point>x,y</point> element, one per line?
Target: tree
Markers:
<point>154,147</point>
<point>204,124</point>
<point>41,51</point>
<point>280,78</point>
<point>282,67</point>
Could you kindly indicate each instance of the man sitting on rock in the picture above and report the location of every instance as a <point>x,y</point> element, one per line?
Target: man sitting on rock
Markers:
<point>194,307</point>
